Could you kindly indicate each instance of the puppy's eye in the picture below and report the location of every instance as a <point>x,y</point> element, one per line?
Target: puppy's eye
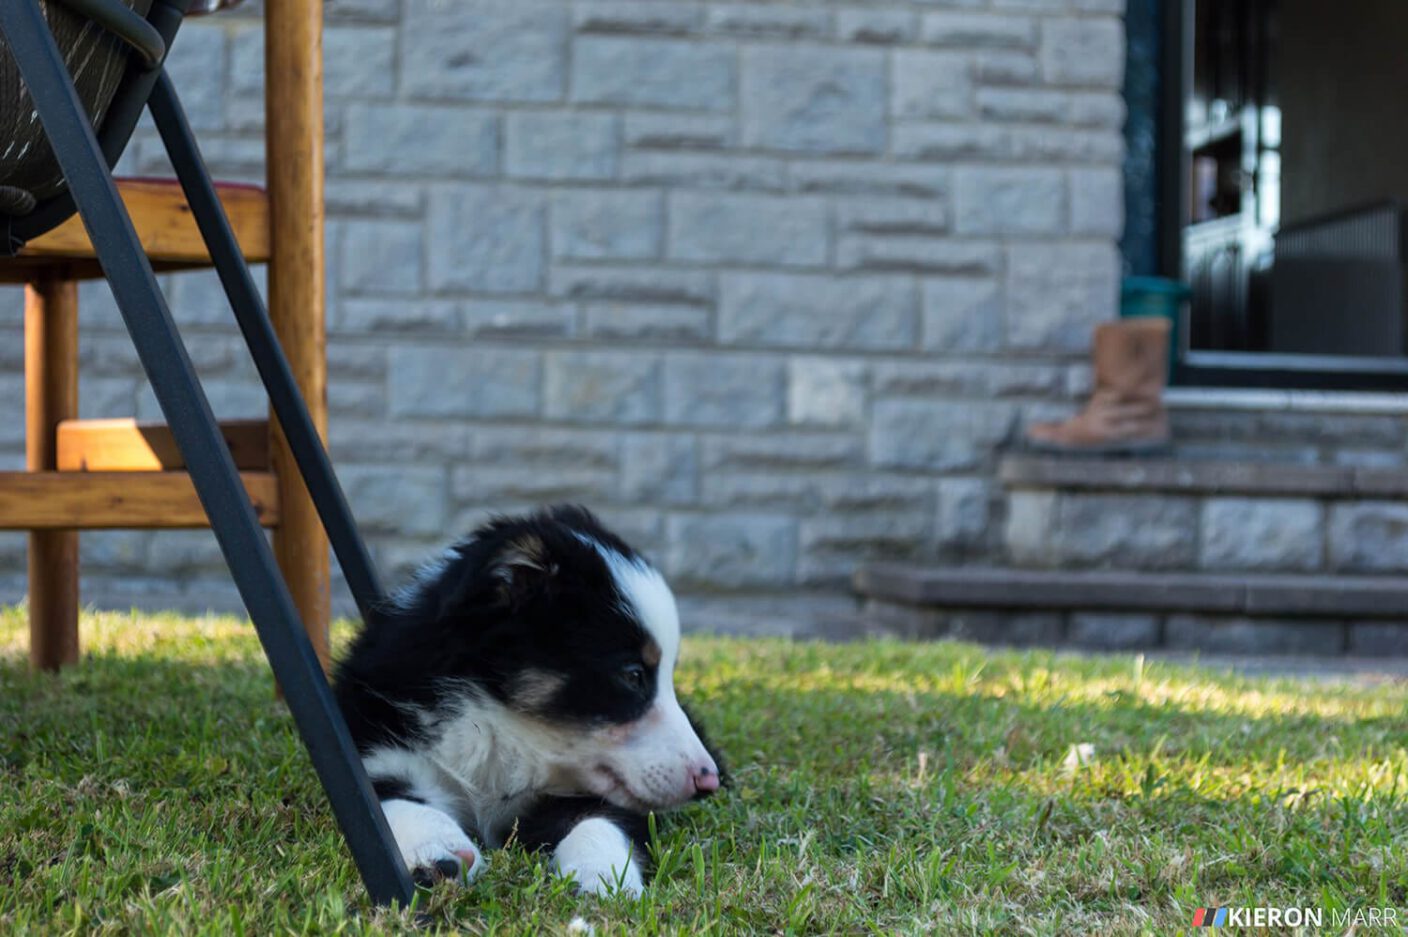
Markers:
<point>633,676</point>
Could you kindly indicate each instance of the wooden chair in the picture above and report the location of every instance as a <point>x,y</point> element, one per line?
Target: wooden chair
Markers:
<point>71,483</point>
<point>88,475</point>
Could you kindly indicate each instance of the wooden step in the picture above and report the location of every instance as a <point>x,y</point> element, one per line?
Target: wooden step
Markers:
<point>130,446</point>
<point>118,500</point>
<point>164,224</point>
<point>1252,594</point>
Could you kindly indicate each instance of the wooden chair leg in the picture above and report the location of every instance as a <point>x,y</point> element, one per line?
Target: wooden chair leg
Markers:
<point>294,140</point>
<point>51,395</point>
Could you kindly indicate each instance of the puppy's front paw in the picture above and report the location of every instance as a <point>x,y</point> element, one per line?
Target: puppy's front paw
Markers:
<point>608,881</point>
<point>440,862</point>
<point>432,844</point>
<point>597,854</point>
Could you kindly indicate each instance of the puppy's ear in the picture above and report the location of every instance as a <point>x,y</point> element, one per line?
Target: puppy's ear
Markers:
<point>523,570</point>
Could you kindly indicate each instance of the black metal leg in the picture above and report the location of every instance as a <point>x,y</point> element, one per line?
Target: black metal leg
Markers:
<point>208,460</point>
<point>253,319</point>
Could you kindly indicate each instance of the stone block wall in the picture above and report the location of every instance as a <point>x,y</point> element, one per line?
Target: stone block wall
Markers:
<point>767,284</point>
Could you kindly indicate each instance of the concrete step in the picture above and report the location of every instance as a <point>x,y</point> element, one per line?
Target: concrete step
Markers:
<point>1179,515</point>
<point>1125,609</point>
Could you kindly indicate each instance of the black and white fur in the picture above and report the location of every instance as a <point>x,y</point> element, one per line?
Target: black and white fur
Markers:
<point>523,686</point>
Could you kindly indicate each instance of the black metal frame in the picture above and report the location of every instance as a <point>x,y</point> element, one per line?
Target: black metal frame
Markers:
<point>85,166</point>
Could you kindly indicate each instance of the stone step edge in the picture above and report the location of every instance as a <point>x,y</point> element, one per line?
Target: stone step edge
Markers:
<point>1200,477</point>
<point>1252,595</point>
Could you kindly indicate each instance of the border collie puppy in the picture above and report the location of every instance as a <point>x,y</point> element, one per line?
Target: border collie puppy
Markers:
<point>522,686</point>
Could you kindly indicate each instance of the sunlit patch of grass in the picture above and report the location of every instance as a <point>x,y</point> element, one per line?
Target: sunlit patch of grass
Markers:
<point>879,788</point>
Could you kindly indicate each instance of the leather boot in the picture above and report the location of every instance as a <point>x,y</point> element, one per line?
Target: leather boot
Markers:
<point>1125,413</point>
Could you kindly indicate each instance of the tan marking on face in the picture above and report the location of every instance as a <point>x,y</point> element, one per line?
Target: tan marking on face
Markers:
<point>650,653</point>
<point>533,689</point>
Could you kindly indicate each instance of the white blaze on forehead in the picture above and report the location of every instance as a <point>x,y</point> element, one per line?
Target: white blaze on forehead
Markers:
<point>650,599</point>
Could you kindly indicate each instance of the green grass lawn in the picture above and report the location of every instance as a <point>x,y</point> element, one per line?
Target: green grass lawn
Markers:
<point>879,788</point>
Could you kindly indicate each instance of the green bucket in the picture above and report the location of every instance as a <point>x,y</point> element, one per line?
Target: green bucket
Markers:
<point>1156,296</point>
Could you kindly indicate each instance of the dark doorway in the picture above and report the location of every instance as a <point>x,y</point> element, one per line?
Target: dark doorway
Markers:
<point>1282,177</point>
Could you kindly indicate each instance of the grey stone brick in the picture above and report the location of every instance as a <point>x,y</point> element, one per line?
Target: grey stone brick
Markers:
<point>659,468</point>
<point>937,435</point>
<point>488,239</point>
<point>1129,531</point>
<point>1020,629</point>
<point>1058,293</point>
<point>1084,51</point>
<point>989,141</point>
<point>730,550</point>
<point>130,550</point>
<point>561,145</point>
<point>705,170</point>
<point>381,256</point>
<point>789,310</point>
<point>830,543</point>
<point>358,61</point>
<point>1262,533</point>
<point>652,72</point>
<point>633,18</point>
<point>821,100</point>
<point>849,178</point>
<point>603,387</point>
<point>964,512</point>
<point>462,382</point>
<point>1097,201</point>
<point>1369,537</point>
<point>382,198</point>
<point>1378,638</point>
<point>516,318</point>
<point>483,50</point>
<point>341,10</point>
<point>977,30</point>
<point>400,499</point>
<point>595,224</point>
<point>675,131</point>
<point>396,442</point>
<point>635,285</point>
<point>361,399</point>
<point>747,228</point>
<point>897,216</point>
<point>1009,201</point>
<point>184,551</point>
<point>398,316</point>
<point>658,322</point>
<point>1004,67</point>
<point>1112,631</point>
<point>197,66</point>
<point>774,21</point>
<point>1035,105</point>
<point>1253,635</point>
<point>449,141</point>
<point>726,391</point>
<point>962,314</point>
<point>966,378</point>
<point>826,391</point>
<point>545,447</point>
<point>781,451</point>
<point>877,27</point>
<point>497,484</point>
<point>353,359</point>
<point>920,255</point>
<point>929,84</point>
<point>101,398</point>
